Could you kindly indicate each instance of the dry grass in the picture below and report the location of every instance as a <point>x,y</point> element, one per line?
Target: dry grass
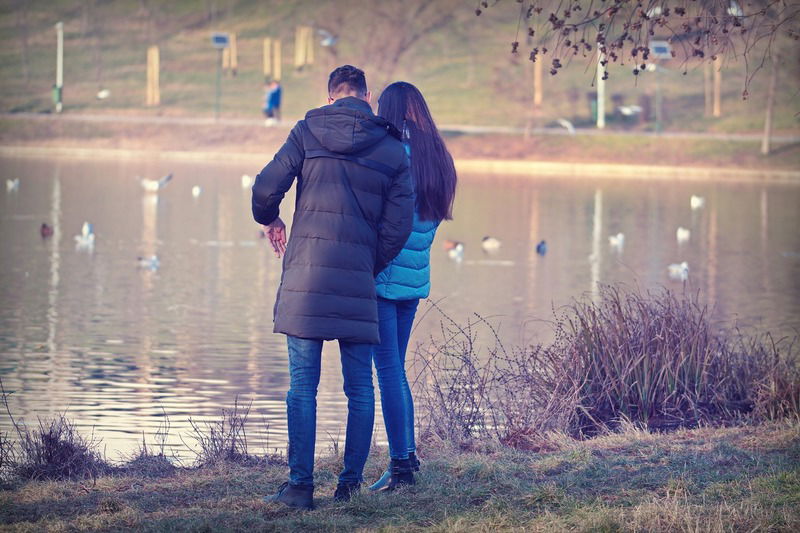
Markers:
<point>703,479</point>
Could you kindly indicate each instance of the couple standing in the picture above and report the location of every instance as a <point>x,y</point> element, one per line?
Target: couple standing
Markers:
<point>371,191</point>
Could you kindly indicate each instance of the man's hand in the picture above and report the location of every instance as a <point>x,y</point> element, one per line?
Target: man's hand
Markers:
<point>276,233</point>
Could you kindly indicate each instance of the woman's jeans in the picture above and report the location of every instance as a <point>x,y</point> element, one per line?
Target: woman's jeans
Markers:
<point>305,357</point>
<point>395,318</point>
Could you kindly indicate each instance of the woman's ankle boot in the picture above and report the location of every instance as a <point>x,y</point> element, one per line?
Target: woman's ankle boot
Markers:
<point>402,473</point>
<point>382,482</point>
<point>412,458</point>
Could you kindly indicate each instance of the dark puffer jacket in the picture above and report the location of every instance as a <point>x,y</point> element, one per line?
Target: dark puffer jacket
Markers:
<point>354,211</point>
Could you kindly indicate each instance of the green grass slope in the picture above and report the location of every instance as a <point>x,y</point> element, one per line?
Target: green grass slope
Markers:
<point>464,67</point>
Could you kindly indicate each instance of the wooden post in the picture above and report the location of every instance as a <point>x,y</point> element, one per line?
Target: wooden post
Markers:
<point>276,60</point>
<point>153,91</point>
<point>233,55</point>
<point>707,89</point>
<point>226,58</point>
<point>773,84</point>
<point>309,45</point>
<point>267,54</point>
<point>537,82</point>
<point>717,87</point>
<point>299,47</point>
<point>59,66</point>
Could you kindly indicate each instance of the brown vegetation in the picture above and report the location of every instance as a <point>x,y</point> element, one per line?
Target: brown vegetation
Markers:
<point>651,359</point>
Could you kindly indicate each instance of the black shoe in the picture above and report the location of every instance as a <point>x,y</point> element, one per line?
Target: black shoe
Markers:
<point>345,491</point>
<point>297,496</point>
<point>402,471</point>
<point>412,458</point>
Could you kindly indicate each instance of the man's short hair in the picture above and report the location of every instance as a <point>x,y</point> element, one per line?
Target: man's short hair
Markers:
<point>347,80</point>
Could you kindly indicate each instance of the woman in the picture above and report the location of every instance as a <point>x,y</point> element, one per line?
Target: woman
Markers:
<point>407,278</point>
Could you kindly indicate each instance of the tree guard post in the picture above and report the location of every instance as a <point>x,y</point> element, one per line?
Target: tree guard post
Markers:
<point>153,97</point>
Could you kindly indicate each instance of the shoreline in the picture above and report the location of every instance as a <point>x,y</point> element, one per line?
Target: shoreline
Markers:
<point>726,478</point>
<point>516,167</point>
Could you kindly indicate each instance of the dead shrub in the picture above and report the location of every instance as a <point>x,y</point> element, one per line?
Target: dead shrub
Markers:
<point>56,450</point>
<point>223,440</point>
<point>652,360</point>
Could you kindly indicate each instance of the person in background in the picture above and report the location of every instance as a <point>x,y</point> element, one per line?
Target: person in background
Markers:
<point>272,103</point>
<point>353,212</point>
<point>407,278</point>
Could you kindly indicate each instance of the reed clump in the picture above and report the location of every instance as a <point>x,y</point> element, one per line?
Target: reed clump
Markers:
<point>225,439</point>
<point>656,360</point>
<point>55,449</point>
<point>150,460</point>
<point>651,359</point>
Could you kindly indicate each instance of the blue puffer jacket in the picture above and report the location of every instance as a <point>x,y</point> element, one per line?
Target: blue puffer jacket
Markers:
<point>408,276</point>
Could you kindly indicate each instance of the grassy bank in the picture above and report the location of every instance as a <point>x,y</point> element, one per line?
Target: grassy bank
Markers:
<point>260,140</point>
<point>728,479</point>
<point>464,67</point>
<point>639,416</point>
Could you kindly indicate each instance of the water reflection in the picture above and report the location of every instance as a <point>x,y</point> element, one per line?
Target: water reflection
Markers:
<point>121,346</point>
<point>597,237</point>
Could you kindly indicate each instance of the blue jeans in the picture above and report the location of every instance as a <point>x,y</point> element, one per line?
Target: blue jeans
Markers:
<point>305,357</point>
<point>395,318</point>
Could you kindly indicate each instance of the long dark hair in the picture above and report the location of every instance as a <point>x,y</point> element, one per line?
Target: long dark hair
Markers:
<point>431,164</point>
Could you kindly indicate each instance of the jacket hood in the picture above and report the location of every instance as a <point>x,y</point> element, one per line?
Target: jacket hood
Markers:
<point>348,125</point>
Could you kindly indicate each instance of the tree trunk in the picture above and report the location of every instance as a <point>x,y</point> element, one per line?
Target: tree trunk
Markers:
<point>707,89</point>
<point>22,27</point>
<point>717,111</point>
<point>773,83</point>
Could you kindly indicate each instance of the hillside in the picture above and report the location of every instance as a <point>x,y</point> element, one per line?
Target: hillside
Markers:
<point>463,64</point>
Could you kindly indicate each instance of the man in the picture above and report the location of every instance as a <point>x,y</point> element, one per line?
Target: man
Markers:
<point>353,215</point>
<point>272,103</point>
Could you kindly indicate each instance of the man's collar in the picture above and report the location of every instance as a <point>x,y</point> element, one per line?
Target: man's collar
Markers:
<point>353,102</point>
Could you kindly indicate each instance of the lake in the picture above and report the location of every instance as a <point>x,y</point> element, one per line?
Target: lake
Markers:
<point>118,342</point>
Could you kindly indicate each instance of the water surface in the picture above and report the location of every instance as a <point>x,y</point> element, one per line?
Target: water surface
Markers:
<point>119,346</point>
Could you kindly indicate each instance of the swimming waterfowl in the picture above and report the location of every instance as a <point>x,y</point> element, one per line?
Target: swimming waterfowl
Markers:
<point>682,234</point>
<point>86,238</point>
<point>148,263</point>
<point>455,249</point>
<point>617,241</point>
<point>155,185</point>
<point>541,248</point>
<point>697,202</point>
<point>490,244</point>
<point>679,271</point>
<point>45,231</point>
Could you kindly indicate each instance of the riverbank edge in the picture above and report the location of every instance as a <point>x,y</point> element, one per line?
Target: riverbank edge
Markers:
<point>729,478</point>
<point>508,167</point>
